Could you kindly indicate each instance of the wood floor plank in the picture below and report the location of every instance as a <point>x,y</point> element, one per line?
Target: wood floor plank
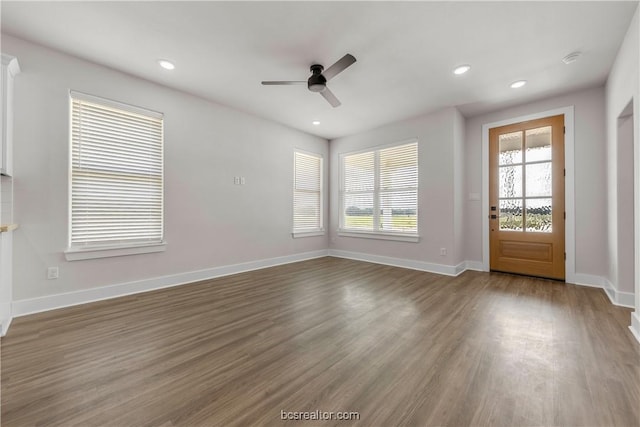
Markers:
<point>399,347</point>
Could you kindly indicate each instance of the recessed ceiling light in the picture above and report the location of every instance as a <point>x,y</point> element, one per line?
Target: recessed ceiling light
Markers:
<point>519,83</point>
<point>462,69</point>
<point>572,57</point>
<point>316,122</point>
<point>167,65</point>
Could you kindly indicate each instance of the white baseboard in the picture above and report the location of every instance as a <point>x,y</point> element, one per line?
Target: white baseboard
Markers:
<point>447,270</point>
<point>623,299</point>
<point>474,265</point>
<point>587,280</point>
<point>5,318</point>
<point>460,268</point>
<point>469,265</point>
<point>635,325</point>
<point>5,326</point>
<point>51,302</point>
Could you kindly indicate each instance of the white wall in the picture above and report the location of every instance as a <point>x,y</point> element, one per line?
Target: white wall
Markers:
<point>623,86</point>
<point>590,175</point>
<point>459,188</point>
<point>635,316</point>
<point>436,218</point>
<point>209,221</point>
<point>621,89</point>
<point>10,69</point>
<point>625,215</point>
<point>6,291</point>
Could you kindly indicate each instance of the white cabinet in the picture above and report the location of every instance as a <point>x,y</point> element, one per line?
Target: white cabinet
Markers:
<point>10,68</point>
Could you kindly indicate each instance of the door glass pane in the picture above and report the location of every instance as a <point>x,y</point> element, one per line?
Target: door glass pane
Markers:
<point>539,215</point>
<point>510,148</point>
<point>510,181</point>
<point>538,143</point>
<point>538,179</point>
<point>511,215</point>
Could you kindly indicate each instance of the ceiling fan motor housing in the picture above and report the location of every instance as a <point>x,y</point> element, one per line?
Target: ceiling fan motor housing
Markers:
<point>317,82</point>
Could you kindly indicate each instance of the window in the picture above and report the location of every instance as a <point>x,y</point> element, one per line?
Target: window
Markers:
<point>116,178</point>
<point>307,195</point>
<point>379,192</point>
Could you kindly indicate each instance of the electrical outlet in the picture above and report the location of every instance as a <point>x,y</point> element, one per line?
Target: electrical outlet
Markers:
<point>236,180</point>
<point>443,251</point>
<point>52,273</point>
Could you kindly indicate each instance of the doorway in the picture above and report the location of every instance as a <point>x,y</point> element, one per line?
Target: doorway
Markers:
<point>526,198</point>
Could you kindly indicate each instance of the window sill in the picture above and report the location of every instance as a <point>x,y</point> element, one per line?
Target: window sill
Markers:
<point>414,238</point>
<point>299,234</point>
<point>77,254</point>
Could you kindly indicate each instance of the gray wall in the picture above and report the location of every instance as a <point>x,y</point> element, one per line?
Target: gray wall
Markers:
<point>590,175</point>
<point>459,187</point>
<point>209,221</point>
<point>622,88</point>
<point>435,134</point>
<point>625,208</point>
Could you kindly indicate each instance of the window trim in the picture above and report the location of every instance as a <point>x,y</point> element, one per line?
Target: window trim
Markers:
<point>380,235</point>
<point>79,252</point>
<point>375,234</point>
<point>311,232</point>
<point>299,234</point>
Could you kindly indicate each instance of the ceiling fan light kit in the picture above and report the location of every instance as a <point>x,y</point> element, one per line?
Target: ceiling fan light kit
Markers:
<point>317,82</point>
<point>319,78</point>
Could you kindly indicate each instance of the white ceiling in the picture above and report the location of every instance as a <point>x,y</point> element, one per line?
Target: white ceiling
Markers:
<point>405,51</point>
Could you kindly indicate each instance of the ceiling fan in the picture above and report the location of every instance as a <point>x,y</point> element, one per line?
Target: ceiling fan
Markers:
<point>318,80</point>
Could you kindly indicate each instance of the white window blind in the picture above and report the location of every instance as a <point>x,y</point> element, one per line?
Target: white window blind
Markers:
<point>116,174</point>
<point>379,190</point>
<point>307,193</point>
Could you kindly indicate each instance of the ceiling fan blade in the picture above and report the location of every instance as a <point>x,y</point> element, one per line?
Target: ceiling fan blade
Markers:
<point>339,66</point>
<point>269,83</point>
<point>330,97</point>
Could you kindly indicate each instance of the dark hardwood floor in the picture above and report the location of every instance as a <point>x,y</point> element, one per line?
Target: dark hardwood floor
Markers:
<point>397,346</point>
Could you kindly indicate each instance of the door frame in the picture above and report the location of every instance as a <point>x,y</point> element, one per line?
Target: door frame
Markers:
<point>569,185</point>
